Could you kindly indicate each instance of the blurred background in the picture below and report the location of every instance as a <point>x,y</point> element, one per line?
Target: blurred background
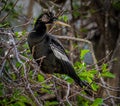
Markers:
<point>95,25</point>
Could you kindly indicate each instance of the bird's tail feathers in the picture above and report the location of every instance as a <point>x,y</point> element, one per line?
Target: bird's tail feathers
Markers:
<point>82,84</point>
<point>69,70</point>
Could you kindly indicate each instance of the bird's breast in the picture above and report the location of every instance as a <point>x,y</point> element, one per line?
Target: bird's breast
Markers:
<point>39,50</point>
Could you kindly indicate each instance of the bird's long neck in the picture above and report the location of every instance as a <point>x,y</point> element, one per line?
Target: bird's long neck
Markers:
<point>37,34</point>
<point>40,28</point>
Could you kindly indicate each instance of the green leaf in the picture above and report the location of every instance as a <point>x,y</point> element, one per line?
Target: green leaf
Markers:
<point>94,86</point>
<point>68,79</point>
<point>89,79</point>
<point>93,71</point>
<point>43,90</point>
<point>18,104</point>
<point>19,98</point>
<point>108,74</point>
<point>53,103</point>
<point>64,17</point>
<point>23,98</point>
<point>104,67</point>
<point>97,102</point>
<point>83,53</point>
<point>40,78</point>
<point>77,65</point>
<point>81,101</point>
<point>17,34</point>
<point>18,64</point>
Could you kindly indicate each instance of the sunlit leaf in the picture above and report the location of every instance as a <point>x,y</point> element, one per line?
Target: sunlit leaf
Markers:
<point>83,53</point>
<point>94,86</point>
<point>97,102</point>
<point>93,71</point>
<point>40,78</point>
<point>68,79</point>
<point>104,67</point>
<point>108,74</point>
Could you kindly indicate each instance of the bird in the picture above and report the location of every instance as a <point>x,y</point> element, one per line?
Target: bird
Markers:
<point>49,52</point>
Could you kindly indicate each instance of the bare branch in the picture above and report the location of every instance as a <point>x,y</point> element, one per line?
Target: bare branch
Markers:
<point>37,101</point>
<point>68,90</point>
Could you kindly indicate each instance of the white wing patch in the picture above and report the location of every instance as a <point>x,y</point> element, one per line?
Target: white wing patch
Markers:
<point>59,54</point>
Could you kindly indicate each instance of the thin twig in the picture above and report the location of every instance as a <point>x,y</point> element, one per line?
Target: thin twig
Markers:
<point>8,12</point>
<point>76,92</point>
<point>55,90</point>
<point>37,102</point>
<point>68,91</point>
<point>101,79</point>
<point>114,97</point>
<point>2,66</point>
<point>21,25</point>
<point>74,39</point>
<point>109,88</point>
<point>15,52</point>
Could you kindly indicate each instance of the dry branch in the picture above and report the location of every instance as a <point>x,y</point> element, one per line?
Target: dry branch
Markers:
<point>26,84</point>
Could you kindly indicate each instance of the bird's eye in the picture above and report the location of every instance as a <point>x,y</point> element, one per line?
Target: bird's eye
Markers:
<point>45,18</point>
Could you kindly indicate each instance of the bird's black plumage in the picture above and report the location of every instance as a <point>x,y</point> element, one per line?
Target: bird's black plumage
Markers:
<point>48,46</point>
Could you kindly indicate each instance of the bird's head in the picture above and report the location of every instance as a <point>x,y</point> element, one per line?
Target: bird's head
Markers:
<point>50,18</point>
<point>47,18</point>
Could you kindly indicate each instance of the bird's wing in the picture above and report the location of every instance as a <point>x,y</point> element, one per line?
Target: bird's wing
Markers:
<point>62,57</point>
<point>58,50</point>
<point>56,41</point>
<point>68,69</point>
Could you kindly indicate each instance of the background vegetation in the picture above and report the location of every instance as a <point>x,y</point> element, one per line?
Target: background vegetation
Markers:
<point>92,43</point>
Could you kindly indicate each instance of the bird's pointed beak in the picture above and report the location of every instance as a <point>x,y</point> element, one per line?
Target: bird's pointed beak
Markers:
<point>61,23</point>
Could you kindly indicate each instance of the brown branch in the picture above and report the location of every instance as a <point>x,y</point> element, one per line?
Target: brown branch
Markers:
<point>73,39</point>
<point>32,86</point>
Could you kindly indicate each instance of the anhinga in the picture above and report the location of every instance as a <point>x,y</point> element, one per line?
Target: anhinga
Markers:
<point>48,46</point>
